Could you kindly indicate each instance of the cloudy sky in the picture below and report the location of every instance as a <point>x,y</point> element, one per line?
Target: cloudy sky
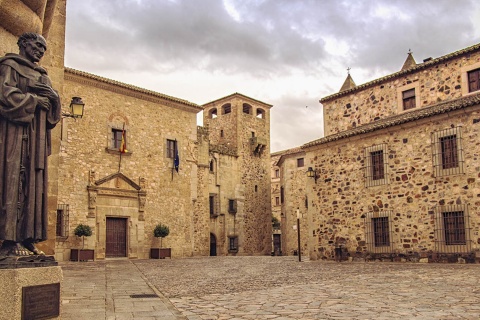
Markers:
<point>284,52</point>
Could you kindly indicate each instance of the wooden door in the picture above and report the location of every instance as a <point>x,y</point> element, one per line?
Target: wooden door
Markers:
<point>116,245</point>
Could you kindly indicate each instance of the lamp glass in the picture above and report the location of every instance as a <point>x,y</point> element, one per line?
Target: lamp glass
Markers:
<point>77,109</point>
<point>310,172</point>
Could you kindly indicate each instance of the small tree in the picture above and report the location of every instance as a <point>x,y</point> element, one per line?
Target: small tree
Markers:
<point>161,231</point>
<point>82,230</point>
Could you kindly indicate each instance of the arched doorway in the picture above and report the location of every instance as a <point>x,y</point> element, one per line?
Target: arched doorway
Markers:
<point>213,245</point>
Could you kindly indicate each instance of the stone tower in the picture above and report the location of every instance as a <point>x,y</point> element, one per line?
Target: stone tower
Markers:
<point>239,175</point>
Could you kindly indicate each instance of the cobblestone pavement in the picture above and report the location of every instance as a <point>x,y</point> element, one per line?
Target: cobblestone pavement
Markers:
<point>282,288</point>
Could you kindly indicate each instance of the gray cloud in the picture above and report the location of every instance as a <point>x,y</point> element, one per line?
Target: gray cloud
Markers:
<point>258,45</point>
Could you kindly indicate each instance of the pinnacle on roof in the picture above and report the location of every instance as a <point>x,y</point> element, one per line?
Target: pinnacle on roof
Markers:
<point>410,62</point>
<point>349,83</point>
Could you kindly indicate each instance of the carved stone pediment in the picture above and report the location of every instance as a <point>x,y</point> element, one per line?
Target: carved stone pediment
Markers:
<point>116,185</point>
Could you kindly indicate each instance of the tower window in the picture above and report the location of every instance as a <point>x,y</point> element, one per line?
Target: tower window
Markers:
<point>226,108</point>
<point>260,113</point>
<point>247,108</point>
<point>213,113</point>
<point>408,98</point>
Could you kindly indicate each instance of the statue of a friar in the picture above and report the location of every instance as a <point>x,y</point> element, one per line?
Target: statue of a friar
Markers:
<point>29,109</point>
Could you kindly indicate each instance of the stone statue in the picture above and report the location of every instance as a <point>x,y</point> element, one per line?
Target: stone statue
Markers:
<point>29,109</point>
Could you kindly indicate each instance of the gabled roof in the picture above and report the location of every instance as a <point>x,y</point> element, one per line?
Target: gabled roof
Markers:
<point>239,95</point>
<point>288,153</point>
<point>140,92</point>
<point>442,107</point>
<point>400,73</point>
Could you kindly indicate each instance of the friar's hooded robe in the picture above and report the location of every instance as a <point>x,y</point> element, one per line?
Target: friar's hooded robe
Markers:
<point>25,145</point>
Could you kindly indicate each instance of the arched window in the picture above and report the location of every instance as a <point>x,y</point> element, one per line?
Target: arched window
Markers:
<point>212,113</point>
<point>226,108</point>
<point>260,113</point>
<point>212,166</point>
<point>247,108</point>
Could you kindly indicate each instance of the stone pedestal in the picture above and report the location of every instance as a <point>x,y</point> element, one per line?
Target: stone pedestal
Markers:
<point>12,284</point>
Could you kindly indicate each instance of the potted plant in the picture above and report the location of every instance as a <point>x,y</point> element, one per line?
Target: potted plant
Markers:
<point>160,231</point>
<point>82,230</point>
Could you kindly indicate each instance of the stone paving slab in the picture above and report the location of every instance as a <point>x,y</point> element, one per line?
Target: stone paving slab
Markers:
<point>281,288</point>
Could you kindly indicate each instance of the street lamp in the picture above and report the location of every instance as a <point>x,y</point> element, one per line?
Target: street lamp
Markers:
<point>312,173</point>
<point>298,236</point>
<point>76,109</point>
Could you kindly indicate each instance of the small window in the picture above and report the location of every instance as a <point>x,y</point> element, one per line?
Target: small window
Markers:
<point>300,162</point>
<point>221,133</point>
<point>171,148</point>
<point>253,134</point>
<point>232,243</point>
<point>277,173</point>
<point>213,113</point>
<point>381,232</point>
<point>376,165</point>
<point>447,152</point>
<point>452,230</point>
<point>213,205</point>
<point>62,220</point>
<point>212,166</point>
<point>256,188</point>
<point>473,80</point>
<point>232,206</point>
<point>378,232</point>
<point>117,138</point>
<point>226,108</point>
<point>282,195</point>
<point>277,201</point>
<point>260,113</point>
<point>408,98</point>
<point>247,108</point>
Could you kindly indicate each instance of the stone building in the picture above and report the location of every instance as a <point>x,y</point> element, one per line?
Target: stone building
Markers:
<point>275,202</point>
<point>397,174</point>
<point>210,185</point>
<point>236,165</point>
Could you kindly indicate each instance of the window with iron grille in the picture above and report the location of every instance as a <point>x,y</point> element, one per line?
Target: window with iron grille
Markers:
<point>62,220</point>
<point>452,230</point>
<point>232,243</point>
<point>376,165</point>
<point>213,205</point>
<point>171,148</point>
<point>473,80</point>
<point>381,233</point>
<point>447,152</point>
<point>378,232</point>
<point>408,98</point>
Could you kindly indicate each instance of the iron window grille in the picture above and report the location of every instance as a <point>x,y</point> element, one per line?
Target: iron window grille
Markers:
<point>63,213</point>
<point>376,165</point>
<point>452,229</point>
<point>379,232</point>
<point>447,152</point>
<point>214,205</point>
<point>233,244</point>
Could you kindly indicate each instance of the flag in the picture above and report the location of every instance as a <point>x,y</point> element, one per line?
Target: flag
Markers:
<point>176,160</point>
<point>123,143</point>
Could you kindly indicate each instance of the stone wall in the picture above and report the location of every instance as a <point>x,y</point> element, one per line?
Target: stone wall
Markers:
<point>344,203</point>
<point>340,199</point>
<point>149,120</point>
<point>436,80</point>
